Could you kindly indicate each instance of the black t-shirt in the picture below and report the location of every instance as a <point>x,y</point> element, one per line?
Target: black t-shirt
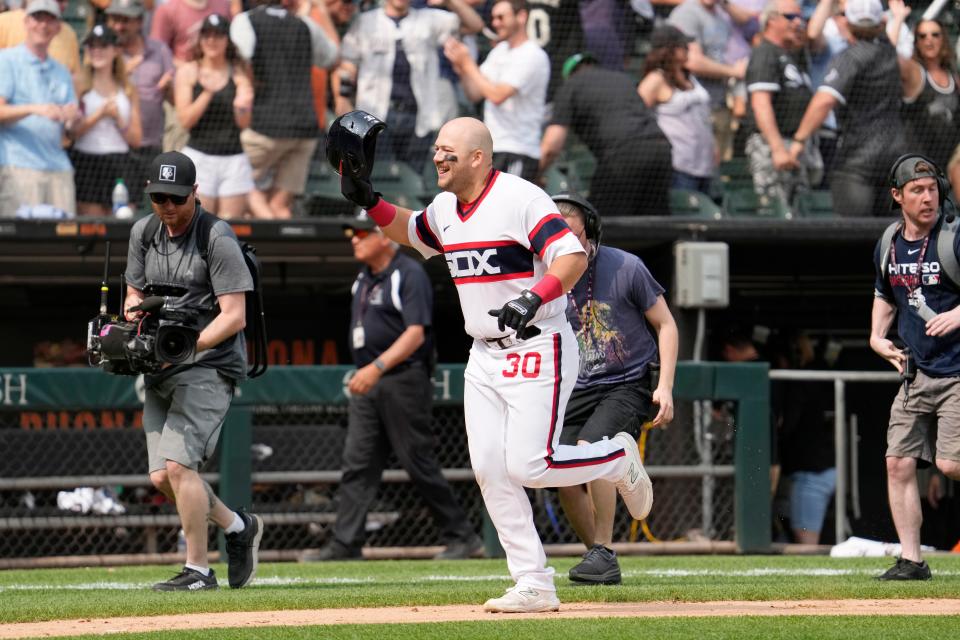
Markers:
<point>865,79</point>
<point>781,73</point>
<point>604,109</point>
<point>384,304</point>
<point>555,26</point>
<point>933,120</point>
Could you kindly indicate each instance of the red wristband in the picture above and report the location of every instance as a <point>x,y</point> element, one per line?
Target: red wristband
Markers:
<point>548,288</point>
<point>382,213</point>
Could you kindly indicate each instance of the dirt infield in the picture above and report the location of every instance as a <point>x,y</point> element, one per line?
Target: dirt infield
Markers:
<point>400,615</point>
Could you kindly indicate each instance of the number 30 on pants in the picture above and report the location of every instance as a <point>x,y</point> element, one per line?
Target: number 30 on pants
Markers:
<point>526,365</point>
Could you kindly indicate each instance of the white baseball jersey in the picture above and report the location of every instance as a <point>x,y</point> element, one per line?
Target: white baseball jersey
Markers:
<point>496,246</point>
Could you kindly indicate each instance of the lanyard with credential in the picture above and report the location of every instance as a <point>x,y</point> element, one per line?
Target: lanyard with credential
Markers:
<point>915,296</point>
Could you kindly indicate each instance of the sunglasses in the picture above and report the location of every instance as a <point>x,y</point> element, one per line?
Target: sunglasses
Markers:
<point>359,234</point>
<point>161,198</point>
<point>790,17</point>
<point>935,34</point>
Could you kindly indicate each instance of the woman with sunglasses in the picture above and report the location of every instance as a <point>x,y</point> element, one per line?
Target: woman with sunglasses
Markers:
<point>932,118</point>
<point>110,126</point>
<point>213,96</point>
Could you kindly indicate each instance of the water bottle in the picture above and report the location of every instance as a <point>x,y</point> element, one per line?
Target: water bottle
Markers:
<point>121,201</point>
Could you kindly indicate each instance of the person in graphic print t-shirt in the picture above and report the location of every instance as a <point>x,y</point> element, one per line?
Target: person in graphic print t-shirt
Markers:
<point>512,257</point>
<point>912,286</point>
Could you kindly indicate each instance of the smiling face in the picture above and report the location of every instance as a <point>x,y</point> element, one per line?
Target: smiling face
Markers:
<point>929,40</point>
<point>507,23</point>
<point>127,29</point>
<point>213,43</point>
<point>100,54</point>
<point>41,29</point>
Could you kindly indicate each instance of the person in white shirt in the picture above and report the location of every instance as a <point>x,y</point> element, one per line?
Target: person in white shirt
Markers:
<point>512,81</point>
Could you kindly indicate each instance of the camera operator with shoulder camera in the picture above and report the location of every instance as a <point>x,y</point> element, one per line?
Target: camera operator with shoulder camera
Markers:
<point>186,403</point>
<point>918,282</point>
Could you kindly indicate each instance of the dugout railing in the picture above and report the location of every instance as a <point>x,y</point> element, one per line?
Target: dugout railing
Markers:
<point>66,428</point>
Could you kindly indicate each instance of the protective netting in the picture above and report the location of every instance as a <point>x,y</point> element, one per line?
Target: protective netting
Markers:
<point>45,512</point>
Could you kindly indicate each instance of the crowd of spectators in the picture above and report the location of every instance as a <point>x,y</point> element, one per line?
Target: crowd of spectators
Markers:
<point>808,94</point>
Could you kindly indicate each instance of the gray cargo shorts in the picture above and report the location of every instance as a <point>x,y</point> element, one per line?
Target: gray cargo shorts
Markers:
<point>182,417</point>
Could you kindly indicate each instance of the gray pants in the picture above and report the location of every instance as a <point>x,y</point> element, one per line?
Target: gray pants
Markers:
<point>182,416</point>
<point>783,185</point>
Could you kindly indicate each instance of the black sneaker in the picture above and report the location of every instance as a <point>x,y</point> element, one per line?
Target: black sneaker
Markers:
<point>599,566</point>
<point>242,550</point>
<point>907,570</point>
<point>460,550</point>
<point>334,550</point>
<point>188,580</point>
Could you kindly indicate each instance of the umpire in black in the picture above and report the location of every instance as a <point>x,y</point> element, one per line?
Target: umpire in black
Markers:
<point>391,396</point>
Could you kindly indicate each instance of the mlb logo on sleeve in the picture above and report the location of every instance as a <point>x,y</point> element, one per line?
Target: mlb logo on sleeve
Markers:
<point>168,173</point>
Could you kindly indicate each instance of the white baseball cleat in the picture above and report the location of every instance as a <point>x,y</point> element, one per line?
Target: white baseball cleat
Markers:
<point>519,599</point>
<point>634,486</point>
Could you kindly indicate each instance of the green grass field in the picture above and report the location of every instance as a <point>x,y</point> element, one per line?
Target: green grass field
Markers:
<point>39,595</point>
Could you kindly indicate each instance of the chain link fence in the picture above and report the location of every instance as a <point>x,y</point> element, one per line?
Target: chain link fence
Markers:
<point>73,483</point>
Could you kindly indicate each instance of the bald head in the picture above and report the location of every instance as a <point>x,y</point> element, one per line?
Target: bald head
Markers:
<point>470,134</point>
<point>463,155</point>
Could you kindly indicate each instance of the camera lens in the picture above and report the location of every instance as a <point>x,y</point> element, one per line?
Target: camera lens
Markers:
<point>175,344</point>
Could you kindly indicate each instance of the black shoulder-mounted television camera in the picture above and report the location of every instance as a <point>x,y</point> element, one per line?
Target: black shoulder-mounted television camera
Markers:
<point>162,335</point>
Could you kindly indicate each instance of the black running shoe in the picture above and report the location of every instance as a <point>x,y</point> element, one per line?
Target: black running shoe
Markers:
<point>907,570</point>
<point>188,580</point>
<point>599,566</point>
<point>242,550</point>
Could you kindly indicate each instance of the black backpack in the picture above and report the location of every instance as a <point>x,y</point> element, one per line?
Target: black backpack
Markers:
<point>256,329</point>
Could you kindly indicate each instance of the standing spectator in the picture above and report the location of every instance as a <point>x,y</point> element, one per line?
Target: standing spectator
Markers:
<point>605,110</point>
<point>610,29</point>
<point>556,26</point>
<point>176,23</point>
<point>803,412</point>
<point>933,119</point>
<point>391,69</point>
<point>610,309</point>
<point>64,48</point>
<point>149,66</point>
<point>391,396</point>
<point>214,101</point>
<point>282,47</point>
<point>512,81</point>
<point>37,103</point>
<point>924,426</point>
<point>682,106</point>
<point>709,23</point>
<point>110,126</point>
<point>866,84</point>
<point>780,90</point>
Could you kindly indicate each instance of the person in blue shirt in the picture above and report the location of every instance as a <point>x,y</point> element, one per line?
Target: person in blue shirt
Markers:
<point>610,309</point>
<point>913,286</point>
<point>37,104</point>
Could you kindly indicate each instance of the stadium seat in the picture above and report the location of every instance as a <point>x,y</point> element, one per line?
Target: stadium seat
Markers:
<point>684,202</point>
<point>813,204</point>
<point>322,194</point>
<point>556,181</point>
<point>744,201</point>
<point>399,183</point>
<point>735,173</point>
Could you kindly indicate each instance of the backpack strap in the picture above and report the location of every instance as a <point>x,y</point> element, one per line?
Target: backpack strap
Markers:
<point>205,222</point>
<point>885,241</point>
<point>949,265</point>
<point>150,232</point>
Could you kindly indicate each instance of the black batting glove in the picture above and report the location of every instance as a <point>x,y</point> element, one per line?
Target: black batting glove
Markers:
<point>517,313</point>
<point>359,191</point>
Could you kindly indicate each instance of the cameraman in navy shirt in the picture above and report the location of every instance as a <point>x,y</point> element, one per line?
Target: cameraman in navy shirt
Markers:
<point>391,396</point>
<point>925,417</point>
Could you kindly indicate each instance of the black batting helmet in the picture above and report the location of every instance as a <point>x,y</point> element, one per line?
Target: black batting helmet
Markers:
<point>352,142</point>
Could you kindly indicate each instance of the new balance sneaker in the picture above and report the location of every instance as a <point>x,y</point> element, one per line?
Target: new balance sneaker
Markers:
<point>460,550</point>
<point>519,599</point>
<point>907,570</point>
<point>634,486</point>
<point>242,548</point>
<point>599,566</point>
<point>188,580</point>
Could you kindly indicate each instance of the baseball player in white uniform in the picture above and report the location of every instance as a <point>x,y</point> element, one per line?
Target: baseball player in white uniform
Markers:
<point>512,257</point>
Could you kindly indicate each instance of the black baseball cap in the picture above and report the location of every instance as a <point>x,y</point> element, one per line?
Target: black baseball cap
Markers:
<point>172,173</point>
<point>101,33</point>
<point>215,22</point>
<point>360,222</point>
